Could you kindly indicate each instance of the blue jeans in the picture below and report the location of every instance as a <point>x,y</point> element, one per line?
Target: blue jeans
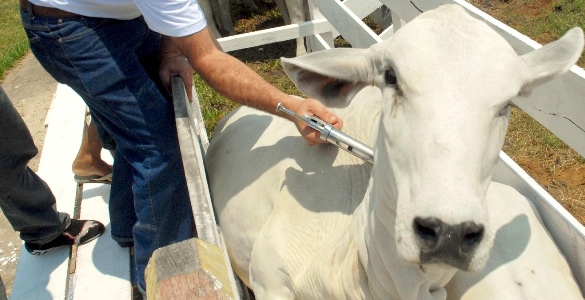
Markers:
<point>113,65</point>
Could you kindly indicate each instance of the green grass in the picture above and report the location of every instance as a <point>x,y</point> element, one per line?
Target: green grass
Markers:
<point>13,41</point>
<point>542,20</point>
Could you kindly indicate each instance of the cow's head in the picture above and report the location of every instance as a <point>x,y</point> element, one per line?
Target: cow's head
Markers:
<point>447,81</point>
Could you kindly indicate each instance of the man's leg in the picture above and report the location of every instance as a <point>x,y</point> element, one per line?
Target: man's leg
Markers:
<point>25,199</point>
<point>105,67</point>
<point>88,165</point>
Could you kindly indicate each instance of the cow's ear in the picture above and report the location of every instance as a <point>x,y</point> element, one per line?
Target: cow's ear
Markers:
<point>332,75</point>
<point>553,59</point>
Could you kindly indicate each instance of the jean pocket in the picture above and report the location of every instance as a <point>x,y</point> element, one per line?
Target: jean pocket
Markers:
<point>75,28</point>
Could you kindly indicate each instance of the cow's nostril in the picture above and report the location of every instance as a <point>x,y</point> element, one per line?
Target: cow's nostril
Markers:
<point>427,230</point>
<point>472,236</point>
<point>443,243</point>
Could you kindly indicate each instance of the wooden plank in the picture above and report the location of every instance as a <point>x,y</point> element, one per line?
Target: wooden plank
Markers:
<point>559,105</point>
<point>397,22</point>
<point>192,134</point>
<point>319,41</point>
<point>205,221</point>
<point>191,269</point>
<point>362,8</point>
<point>45,276</point>
<point>293,31</point>
<point>349,25</point>
<point>197,123</point>
<point>101,263</point>
<point>388,33</point>
<point>567,232</point>
<point>274,35</point>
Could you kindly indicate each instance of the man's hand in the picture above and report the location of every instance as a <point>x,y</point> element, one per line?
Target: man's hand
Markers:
<point>312,107</point>
<point>233,79</point>
<point>174,63</point>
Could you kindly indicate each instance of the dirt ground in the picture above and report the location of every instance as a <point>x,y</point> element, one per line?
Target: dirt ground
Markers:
<point>31,90</point>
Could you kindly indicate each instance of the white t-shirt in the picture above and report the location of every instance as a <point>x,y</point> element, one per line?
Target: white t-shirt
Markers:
<point>170,17</point>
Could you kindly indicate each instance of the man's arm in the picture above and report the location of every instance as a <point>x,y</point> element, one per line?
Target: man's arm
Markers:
<point>233,79</point>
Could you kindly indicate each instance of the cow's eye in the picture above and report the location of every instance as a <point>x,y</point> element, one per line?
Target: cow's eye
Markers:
<point>390,77</point>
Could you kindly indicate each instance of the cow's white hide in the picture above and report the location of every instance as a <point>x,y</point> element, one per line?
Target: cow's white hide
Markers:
<point>317,223</point>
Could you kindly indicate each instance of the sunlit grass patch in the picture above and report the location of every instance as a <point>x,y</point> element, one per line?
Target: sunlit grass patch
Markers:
<point>13,41</point>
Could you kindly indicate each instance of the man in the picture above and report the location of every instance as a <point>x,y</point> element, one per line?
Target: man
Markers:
<point>26,200</point>
<point>111,52</point>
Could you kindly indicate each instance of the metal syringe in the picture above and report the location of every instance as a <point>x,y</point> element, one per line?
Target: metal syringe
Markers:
<point>332,135</point>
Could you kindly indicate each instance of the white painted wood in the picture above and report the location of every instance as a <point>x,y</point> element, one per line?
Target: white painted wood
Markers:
<point>49,111</point>
<point>293,31</point>
<point>274,35</point>
<point>362,8</point>
<point>197,122</point>
<point>566,231</point>
<point>41,277</point>
<point>348,24</point>
<point>388,33</point>
<point>558,105</point>
<point>45,276</point>
<point>101,263</point>
<point>320,41</point>
<point>193,143</point>
<point>397,22</point>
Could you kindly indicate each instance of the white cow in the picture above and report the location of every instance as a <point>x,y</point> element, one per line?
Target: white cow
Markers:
<point>524,262</point>
<point>306,222</point>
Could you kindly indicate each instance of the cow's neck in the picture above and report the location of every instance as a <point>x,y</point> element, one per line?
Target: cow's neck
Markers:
<point>360,263</point>
<point>385,273</point>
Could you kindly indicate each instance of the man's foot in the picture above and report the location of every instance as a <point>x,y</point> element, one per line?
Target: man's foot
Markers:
<point>79,232</point>
<point>93,179</point>
<point>91,171</point>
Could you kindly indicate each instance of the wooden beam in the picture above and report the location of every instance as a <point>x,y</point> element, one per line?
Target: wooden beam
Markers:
<point>349,25</point>
<point>193,143</point>
<point>274,35</point>
<point>192,269</point>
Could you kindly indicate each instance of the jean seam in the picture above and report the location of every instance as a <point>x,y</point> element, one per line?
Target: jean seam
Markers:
<point>150,198</point>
